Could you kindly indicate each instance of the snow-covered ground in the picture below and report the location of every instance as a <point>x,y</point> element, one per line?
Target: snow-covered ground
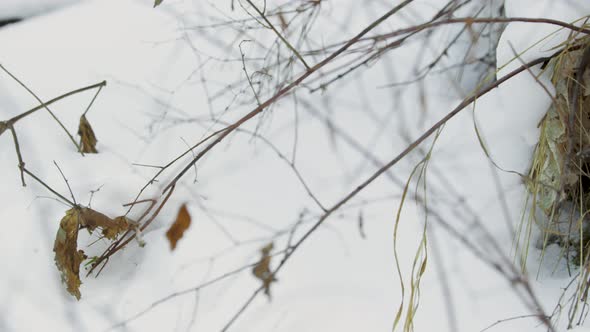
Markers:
<point>26,8</point>
<point>242,195</point>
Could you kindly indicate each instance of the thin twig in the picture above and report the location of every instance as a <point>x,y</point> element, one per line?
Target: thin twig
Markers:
<point>21,163</point>
<point>47,103</point>
<point>243,308</point>
<point>67,182</point>
<point>48,187</point>
<point>281,93</point>
<point>44,105</point>
<point>119,244</point>
<point>246,71</point>
<point>184,292</point>
<point>93,99</point>
<point>9,124</point>
<point>390,164</point>
<point>163,168</point>
<point>272,27</point>
<point>509,319</point>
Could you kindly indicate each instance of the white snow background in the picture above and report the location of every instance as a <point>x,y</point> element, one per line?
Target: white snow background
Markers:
<point>244,194</point>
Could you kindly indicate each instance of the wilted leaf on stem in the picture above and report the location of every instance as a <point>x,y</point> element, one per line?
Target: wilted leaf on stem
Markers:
<point>111,228</point>
<point>87,138</point>
<point>67,255</point>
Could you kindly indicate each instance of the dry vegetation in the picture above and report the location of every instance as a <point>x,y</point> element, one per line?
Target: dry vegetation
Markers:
<point>283,64</point>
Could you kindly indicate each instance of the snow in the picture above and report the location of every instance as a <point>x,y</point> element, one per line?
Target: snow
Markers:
<point>244,193</point>
<point>26,8</point>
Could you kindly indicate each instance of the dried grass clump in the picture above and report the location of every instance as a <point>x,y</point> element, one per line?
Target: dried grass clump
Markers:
<point>560,173</point>
<point>559,179</point>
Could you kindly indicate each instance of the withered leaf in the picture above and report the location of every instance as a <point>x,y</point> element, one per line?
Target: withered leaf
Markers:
<point>157,3</point>
<point>111,228</point>
<point>87,137</point>
<point>121,225</point>
<point>67,255</point>
<point>262,269</point>
<point>180,225</point>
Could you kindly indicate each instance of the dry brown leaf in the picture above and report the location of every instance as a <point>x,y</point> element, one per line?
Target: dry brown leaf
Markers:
<point>262,269</point>
<point>180,225</point>
<point>121,225</point>
<point>87,137</point>
<point>67,255</point>
<point>111,228</point>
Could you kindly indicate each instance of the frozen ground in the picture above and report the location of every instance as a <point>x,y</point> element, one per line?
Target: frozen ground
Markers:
<point>344,278</point>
